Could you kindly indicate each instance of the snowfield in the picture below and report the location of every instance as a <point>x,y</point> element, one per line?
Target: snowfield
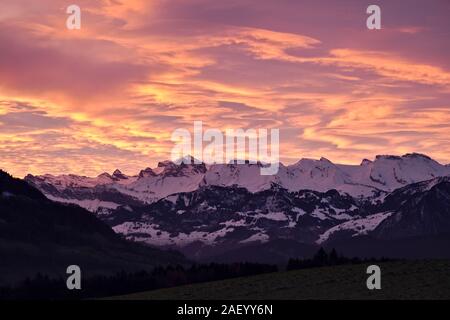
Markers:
<point>357,227</point>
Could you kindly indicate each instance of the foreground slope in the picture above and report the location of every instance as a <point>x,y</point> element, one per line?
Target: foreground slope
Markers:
<point>400,280</point>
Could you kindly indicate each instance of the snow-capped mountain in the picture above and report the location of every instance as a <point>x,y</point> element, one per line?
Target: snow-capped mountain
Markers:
<point>204,210</point>
<point>369,179</point>
<point>107,192</point>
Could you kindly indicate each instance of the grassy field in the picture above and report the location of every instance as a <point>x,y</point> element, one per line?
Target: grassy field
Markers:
<point>399,280</point>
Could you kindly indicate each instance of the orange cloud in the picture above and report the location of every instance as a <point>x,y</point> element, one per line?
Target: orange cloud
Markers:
<point>110,94</point>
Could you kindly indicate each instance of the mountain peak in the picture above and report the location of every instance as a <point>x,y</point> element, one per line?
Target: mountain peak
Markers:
<point>325,160</point>
<point>119,175</point>
<point>147,172</point>
<point>413,155</point>
<point>170,168</point>
<point>165,163</point>
<point>313,163</point>
<point>387,157</point>
<point>416,155</point>
<point>186,160</point>
<point>104,175</point>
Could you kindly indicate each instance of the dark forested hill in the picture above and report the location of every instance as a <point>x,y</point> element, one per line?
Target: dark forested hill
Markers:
<point>39,235</point>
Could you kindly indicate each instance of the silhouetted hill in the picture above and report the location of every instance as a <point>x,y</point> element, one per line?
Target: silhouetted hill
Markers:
<point>39,235</point>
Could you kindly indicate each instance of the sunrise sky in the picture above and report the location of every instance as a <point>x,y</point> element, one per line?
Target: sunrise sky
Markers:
<point>109,95</point>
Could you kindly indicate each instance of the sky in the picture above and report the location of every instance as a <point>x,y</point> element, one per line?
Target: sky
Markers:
<point>110,95</point>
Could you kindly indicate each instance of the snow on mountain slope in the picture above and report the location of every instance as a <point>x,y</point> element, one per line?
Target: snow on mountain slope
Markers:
<point>323,175</point>
<point>229,216</point>
<point>385,173</point>
<point>109,191</point>
<point>89,204</point>
<point>91,193</point>
<point>320,175</point>
<point>150,233</point>
<point>369,179</point>
<point>243,175</point>
<point>66,181</point>
<point>357,227</point>
<point>167,178</point>
<point>391,172</point>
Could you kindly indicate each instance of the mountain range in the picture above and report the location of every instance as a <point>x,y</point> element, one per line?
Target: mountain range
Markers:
<point>230,211</point>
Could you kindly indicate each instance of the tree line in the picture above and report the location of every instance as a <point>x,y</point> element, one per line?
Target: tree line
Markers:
<point>323,259</point>
<point>44,287</point>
